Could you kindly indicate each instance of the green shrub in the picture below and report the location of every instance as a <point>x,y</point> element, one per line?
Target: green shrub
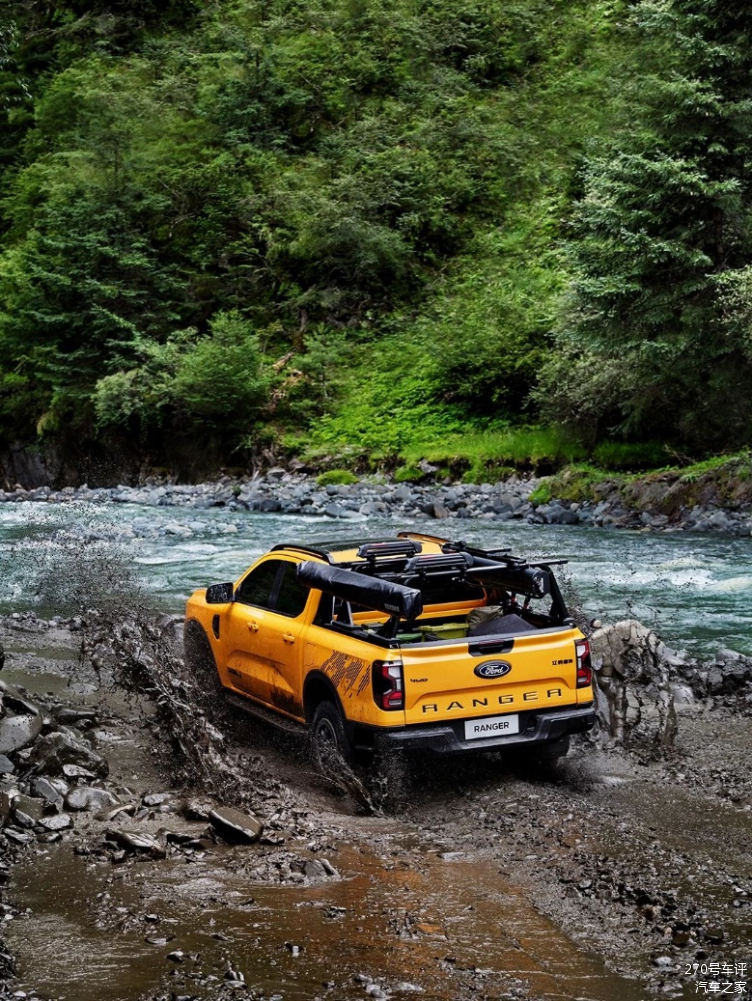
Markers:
<point>408,474</point>
<point>541,494</point>
<point>217,380</point>
<point>576,483</point>
<point>221,380</point>
<point>628,456</point>
<point>487,472</point>
<point>498,450</point>
<point>336,477</point>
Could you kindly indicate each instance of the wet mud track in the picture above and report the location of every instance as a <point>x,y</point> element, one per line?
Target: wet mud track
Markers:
<point>602,878</point>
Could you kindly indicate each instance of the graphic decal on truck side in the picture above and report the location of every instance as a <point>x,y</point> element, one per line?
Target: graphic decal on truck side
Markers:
<point>348,671</point>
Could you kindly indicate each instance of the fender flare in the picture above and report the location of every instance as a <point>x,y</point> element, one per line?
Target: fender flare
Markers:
<point>319,678</point>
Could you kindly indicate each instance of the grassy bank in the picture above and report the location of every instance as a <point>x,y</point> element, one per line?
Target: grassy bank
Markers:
<point>647,476</point>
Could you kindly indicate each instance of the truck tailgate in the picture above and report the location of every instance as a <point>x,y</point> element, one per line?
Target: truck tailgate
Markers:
<point>489,676</point>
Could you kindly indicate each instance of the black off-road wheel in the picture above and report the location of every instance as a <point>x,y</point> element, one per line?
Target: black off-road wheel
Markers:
<point>328,741</point>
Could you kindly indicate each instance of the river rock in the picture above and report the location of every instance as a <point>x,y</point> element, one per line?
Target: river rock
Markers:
<point>632,686</point>
<point>318,869</point>
<point>58,822</point>
<point>6,765</point>
<point>136,841</point>
<point>77,772</point>
<point>19,705</point>
<point>74,717</point>
<point>438,511</point>
<point>267,505</point>
<point>27,810</point>
<point>234,825</point>
<point>18,731</point>
<point>730,673</point>
<point>45,790</point>
<point>90,798</point>
<point>56,750</point>
<point>155,798</point>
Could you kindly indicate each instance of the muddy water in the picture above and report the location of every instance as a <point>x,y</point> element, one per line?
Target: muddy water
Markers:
<point>472,924</point>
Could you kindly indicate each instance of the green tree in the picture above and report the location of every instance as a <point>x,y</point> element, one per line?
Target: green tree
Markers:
<point>666,214</point>
<point>217,381</point>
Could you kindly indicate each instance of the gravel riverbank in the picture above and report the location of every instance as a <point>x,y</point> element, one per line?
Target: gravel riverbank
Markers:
<point>286,492</point>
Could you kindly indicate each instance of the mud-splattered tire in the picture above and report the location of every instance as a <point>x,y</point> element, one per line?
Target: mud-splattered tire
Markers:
<point>199,660</point>
<point>328,741</point>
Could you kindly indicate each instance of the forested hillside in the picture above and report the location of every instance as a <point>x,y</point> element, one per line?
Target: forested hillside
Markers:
<point>367,228</point>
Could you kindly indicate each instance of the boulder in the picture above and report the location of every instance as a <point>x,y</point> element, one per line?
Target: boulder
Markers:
<point>268,505</point>
<point>27,810</point>
<point>90,798</point>
<point>18,731</point>
<point>17,704</point>
<point>730,673</point>
<point>54,751</point>
<point>136,841</point>
<point>234,825</point>
<point>45,790</point>
<point>57,822</point>
<point>631,681</point>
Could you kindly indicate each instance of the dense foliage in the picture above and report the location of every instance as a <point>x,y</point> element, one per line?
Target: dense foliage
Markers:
<point>374,223</point>
<point>662,236</point>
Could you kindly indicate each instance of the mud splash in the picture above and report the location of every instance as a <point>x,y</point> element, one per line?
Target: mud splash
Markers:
<point>141,652</point>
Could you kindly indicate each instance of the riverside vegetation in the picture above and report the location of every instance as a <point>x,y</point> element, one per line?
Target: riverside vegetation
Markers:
<point>482,236</point>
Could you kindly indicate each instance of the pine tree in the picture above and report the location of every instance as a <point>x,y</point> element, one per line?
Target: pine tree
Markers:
<point>665,220</point>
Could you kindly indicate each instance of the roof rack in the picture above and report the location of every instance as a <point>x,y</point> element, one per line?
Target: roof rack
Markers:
<point>371,550</point>
<point>429,565</point>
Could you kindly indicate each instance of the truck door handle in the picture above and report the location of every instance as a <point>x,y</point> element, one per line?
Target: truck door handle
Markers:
<point>253,626</point>
<point>288,637</point>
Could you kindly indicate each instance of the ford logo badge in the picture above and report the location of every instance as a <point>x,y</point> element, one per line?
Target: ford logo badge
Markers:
<point>493,669</point>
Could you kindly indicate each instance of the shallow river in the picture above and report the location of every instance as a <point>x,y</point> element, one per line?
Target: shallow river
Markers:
<point>695,590</point>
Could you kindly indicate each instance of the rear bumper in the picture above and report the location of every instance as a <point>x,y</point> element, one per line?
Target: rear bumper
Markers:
<point>535,728</point>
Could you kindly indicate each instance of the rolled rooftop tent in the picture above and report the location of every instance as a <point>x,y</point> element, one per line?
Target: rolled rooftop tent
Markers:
<point>371,592</point>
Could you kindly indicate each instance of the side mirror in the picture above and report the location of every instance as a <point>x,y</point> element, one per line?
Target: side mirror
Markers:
<point>220,594</point>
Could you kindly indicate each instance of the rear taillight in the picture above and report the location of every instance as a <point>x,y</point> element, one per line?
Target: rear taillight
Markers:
<point>388,684</point>
<point>584,665</point>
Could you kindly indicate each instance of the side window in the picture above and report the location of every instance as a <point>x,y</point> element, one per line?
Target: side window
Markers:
<point>292,596</point>
<point>257,587</point>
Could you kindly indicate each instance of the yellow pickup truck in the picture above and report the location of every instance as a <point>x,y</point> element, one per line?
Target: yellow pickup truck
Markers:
<point>414,642</point>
